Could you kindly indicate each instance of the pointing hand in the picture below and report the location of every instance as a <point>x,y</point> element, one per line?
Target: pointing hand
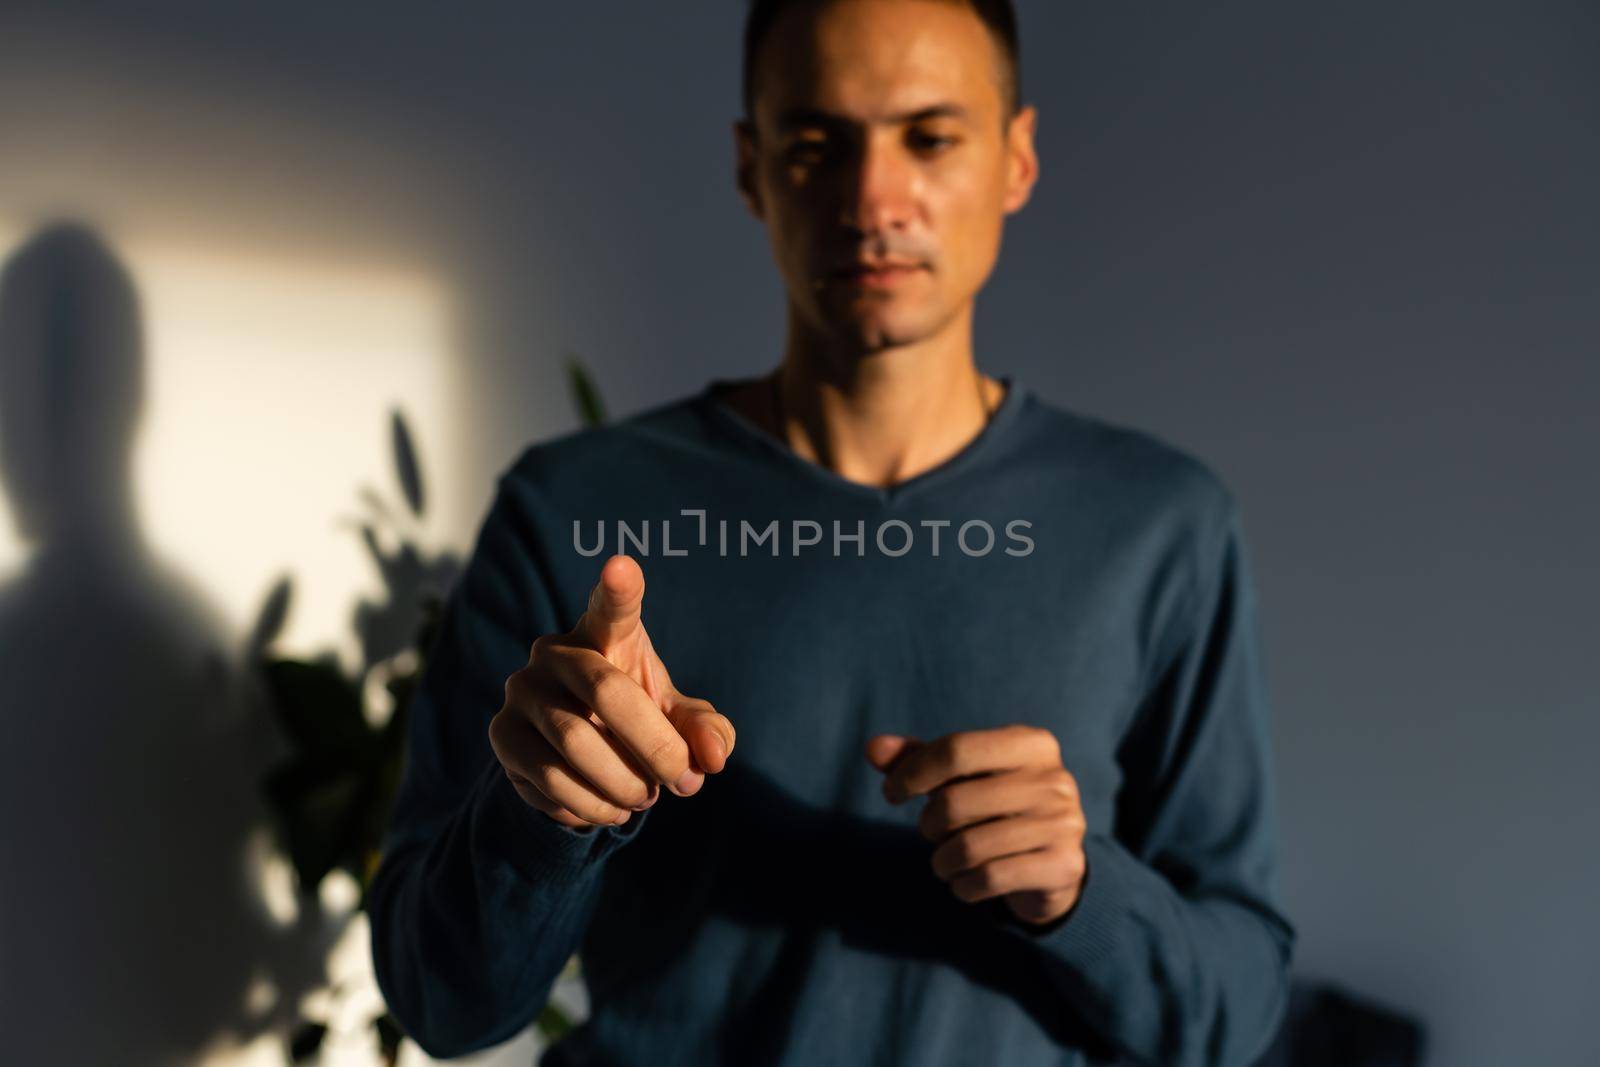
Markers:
<point>592,727</point>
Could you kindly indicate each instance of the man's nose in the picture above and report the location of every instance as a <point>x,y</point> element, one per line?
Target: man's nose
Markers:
<point>880,188</point>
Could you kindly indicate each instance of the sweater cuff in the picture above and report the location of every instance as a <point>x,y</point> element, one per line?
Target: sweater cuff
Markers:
<point>1090,929</point>
<point>535,844</point>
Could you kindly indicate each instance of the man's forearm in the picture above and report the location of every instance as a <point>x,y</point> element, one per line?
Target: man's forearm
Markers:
<point>473,921</point>
<point>1197,979</point>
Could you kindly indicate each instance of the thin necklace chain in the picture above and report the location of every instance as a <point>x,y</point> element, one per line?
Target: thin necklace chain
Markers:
<point>779,416</point>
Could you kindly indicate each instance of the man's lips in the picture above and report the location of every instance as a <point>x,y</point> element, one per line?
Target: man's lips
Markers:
<point>875,274</point>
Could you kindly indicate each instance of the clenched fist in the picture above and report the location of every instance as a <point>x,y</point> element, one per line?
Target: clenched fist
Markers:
<point>592,727</point>
<point>1002,809</point>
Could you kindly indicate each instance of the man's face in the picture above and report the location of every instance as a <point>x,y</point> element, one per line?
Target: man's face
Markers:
<point>879,135</point>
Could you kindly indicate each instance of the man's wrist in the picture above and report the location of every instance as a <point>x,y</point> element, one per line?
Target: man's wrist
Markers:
<point>536,843</point>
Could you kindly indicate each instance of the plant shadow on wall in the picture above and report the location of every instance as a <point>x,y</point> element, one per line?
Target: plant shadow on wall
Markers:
<point>331,797</point>
<point>132,925</point>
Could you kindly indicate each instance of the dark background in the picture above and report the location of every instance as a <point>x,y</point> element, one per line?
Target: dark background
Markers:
<point>1347,254</point>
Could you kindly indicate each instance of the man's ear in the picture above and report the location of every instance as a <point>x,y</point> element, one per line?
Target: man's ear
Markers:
<point>744,146</point>
<point>1022,162</point>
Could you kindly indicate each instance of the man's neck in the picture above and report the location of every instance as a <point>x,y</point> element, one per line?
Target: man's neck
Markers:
<point>880,418</point>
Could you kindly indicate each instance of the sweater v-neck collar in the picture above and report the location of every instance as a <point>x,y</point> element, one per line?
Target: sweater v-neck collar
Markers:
<point>736,424</point>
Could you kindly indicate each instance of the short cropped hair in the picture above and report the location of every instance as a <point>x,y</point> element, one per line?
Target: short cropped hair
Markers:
<point>999,16</point>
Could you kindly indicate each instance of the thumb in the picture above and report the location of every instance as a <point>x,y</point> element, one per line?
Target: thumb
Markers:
<point>708,732</point>
<point>884,749</point>
<point>614,604</point>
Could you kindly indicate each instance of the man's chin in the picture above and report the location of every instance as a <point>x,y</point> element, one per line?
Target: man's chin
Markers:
<point>869,332</point>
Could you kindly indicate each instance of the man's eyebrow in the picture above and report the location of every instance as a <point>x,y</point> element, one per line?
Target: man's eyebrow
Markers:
<point>792,117</point>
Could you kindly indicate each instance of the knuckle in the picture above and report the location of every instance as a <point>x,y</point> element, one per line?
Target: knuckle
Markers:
<point>516,685</point>
<point>497,732</point>
<point>1073,866</point>
<point>569,731</point>
<point>1060,826</point>
<point>542,775</point>
<point>1077,827</point>
<point>949,751</point>
<point>608,687</point>
<point>1063,784</point>
<point>955,804</point>
<point>962,850</point>
<point>668,755</point>
<point>524,793</point>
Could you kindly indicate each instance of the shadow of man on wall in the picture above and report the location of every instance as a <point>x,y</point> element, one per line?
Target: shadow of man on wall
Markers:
<point>130,930</point>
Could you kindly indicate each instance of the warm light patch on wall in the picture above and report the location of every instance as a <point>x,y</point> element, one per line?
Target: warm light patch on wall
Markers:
<point>269,385</point>
<point>11,551</point>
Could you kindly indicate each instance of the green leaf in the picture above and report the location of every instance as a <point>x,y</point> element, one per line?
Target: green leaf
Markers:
<point>320,812</point>
<point>553,1022</point>
<point>389,1035</point>
<point>318,707</point>
<point>585,395</point>
<point>382,783</point>
<point>405,464</point>
<point>428,625</point>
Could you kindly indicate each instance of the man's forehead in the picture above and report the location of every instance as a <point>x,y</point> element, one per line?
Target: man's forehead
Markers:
<point>867,62</point>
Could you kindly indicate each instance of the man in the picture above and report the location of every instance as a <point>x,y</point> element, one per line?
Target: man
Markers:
<point>964,731</point>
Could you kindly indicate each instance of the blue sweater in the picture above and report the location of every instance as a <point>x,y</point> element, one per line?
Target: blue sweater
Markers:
<point>1058,571</point>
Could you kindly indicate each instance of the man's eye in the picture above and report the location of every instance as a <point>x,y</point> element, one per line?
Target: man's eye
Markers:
<point>932,142</point>
<point>806,151</point>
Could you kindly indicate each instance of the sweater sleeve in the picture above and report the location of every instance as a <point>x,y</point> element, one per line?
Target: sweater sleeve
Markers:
<point>479,899</point>
<point>1176,951</point>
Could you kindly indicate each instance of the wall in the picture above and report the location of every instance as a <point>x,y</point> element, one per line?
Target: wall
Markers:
<point>1345,254</point>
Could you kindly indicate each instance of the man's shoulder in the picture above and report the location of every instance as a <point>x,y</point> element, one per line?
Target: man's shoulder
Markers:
<point>1114,463</point>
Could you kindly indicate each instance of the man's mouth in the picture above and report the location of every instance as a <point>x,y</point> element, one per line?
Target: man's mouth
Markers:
<point>875,276</point>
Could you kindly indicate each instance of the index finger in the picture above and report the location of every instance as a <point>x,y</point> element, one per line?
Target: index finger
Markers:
<point>613,612</point>
<point>926,767</point>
